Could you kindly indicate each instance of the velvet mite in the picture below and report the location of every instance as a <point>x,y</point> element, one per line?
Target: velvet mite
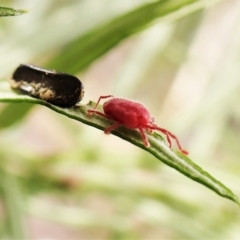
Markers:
<point>132,115</point>
<point>61,89</point>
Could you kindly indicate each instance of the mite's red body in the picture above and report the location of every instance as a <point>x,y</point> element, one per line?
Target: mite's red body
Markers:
<point>132,115</point>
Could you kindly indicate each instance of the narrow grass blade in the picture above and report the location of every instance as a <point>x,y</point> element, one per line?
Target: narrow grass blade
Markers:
<point>157,147</point>
<point>7,12</point>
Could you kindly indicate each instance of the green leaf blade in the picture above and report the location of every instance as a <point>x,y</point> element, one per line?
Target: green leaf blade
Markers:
<point>81,52</point>
<point>157,147</point>
<point>187,167</point>
<point>8,12</point>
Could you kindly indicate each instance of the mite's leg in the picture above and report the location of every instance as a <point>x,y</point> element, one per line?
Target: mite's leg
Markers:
<point>144,137</point>
<point>112,127</point>
<point>168,135</point>
<point>92,111</point>
<point>100,98</point>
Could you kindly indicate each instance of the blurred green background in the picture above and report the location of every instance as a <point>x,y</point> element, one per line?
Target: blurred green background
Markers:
<point>60,179</point>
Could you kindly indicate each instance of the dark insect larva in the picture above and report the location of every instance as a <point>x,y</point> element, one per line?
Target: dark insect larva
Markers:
<point>58,88</point>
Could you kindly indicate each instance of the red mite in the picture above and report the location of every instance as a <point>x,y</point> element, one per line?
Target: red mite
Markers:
<point>132,115</point>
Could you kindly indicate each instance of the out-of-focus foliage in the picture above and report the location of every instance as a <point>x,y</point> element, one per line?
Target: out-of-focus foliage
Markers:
<point>6,12</point>
<point>62,180</point>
